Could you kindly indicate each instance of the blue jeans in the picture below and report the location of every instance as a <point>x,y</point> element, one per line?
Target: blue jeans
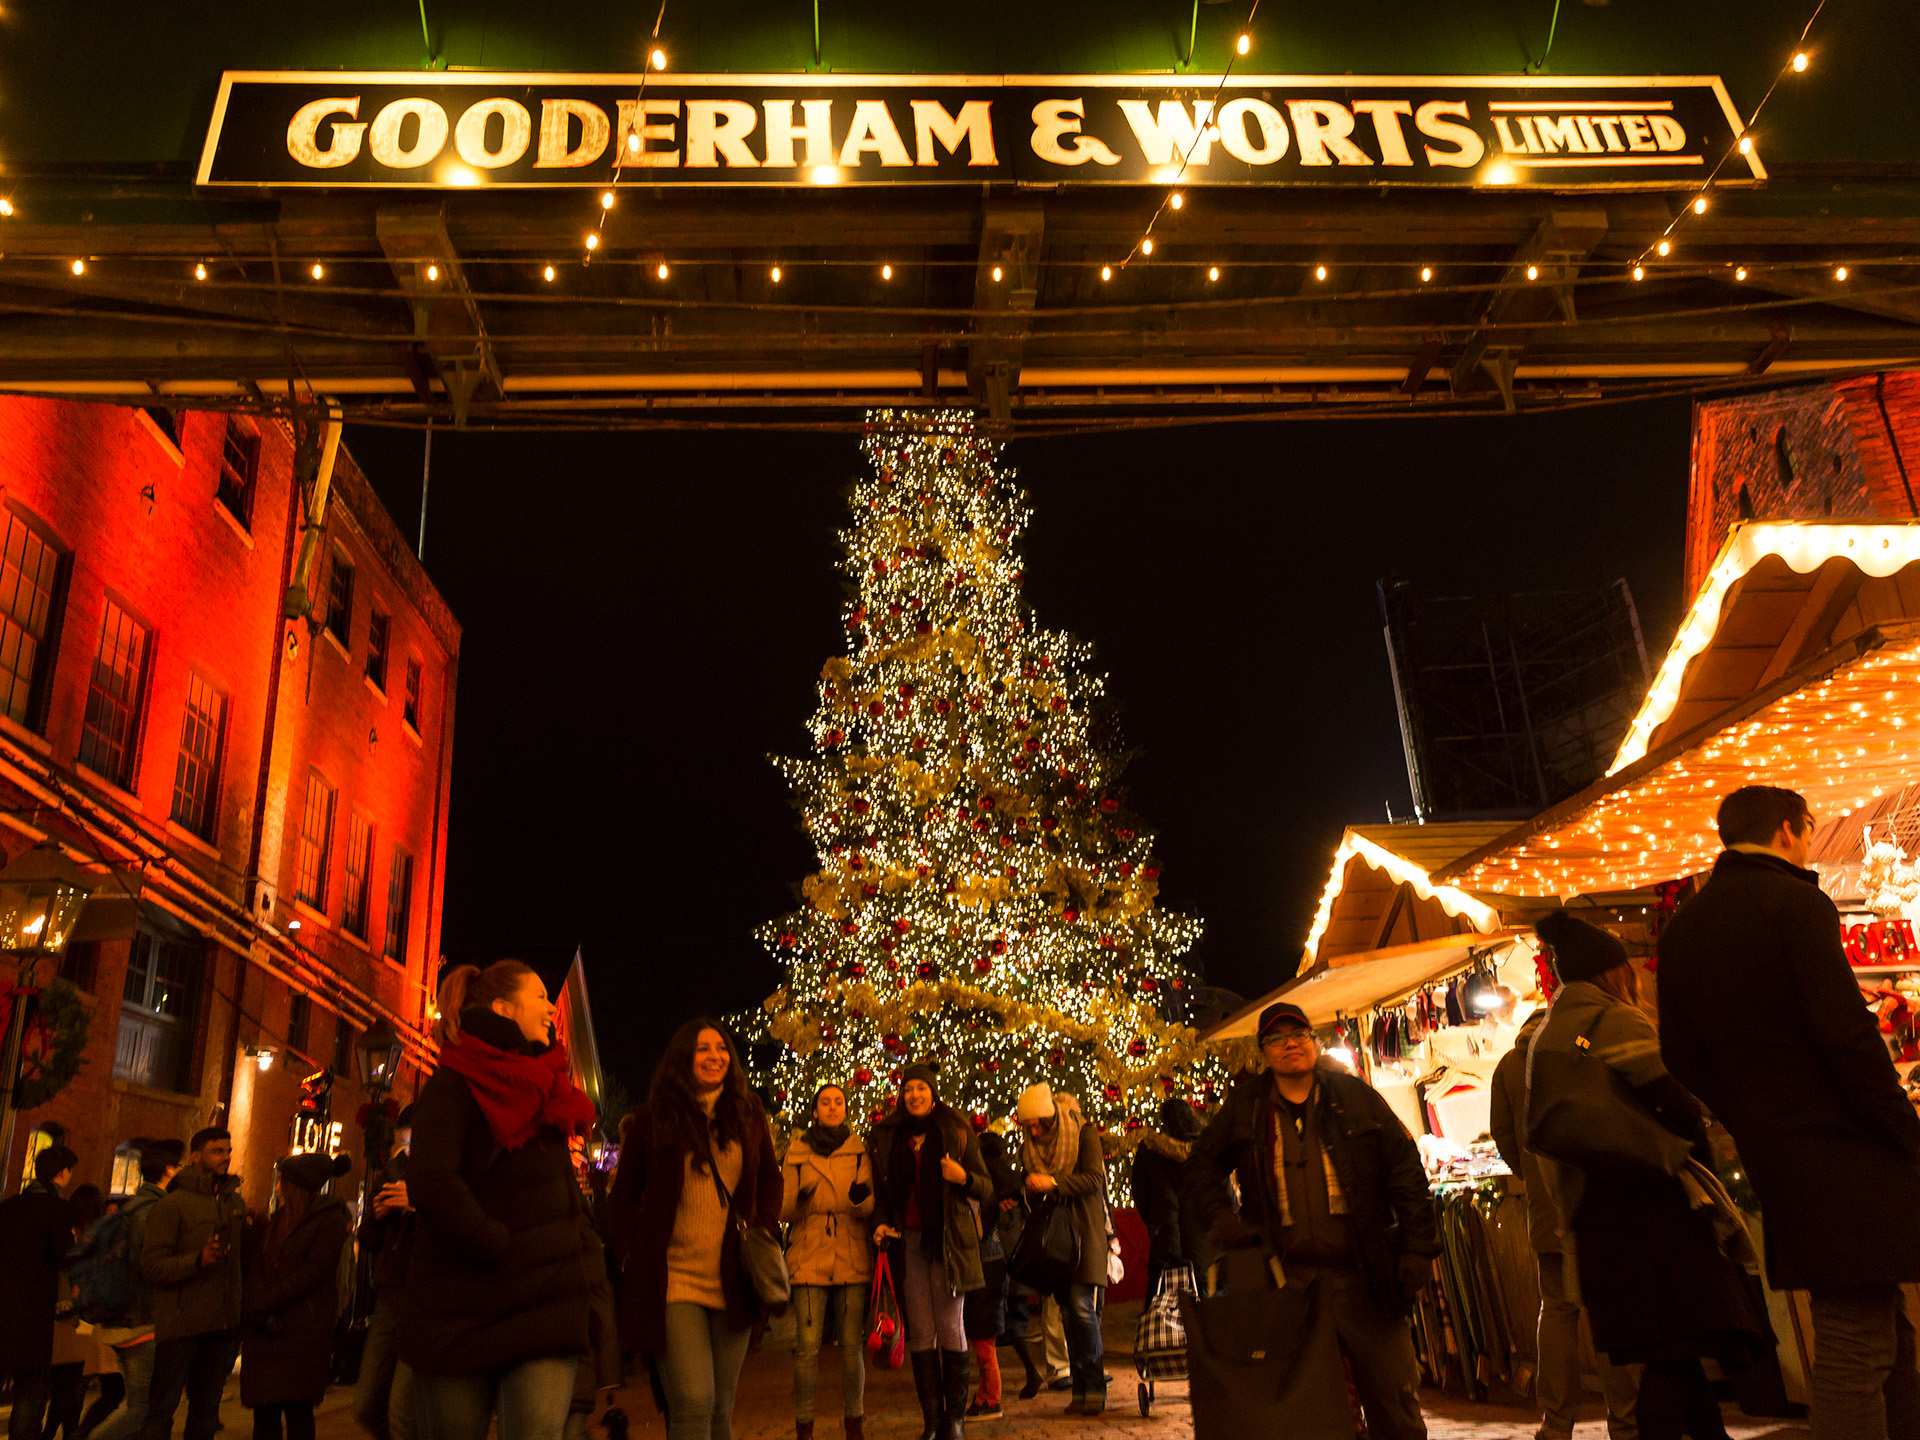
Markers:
<point>136,1367</point>
<point>810,1306</point>
<point>700,1372</point>
<point>1080,1307</point>
<point>530,1401</point>
<point>383,1400</point>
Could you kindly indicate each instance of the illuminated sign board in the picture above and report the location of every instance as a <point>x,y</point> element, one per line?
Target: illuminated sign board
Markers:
<point>463,130</point>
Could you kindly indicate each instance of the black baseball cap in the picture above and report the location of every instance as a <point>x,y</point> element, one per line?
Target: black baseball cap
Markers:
<point>1282,1013</point>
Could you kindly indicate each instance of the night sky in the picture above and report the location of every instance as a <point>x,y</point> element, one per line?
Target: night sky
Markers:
<point>645,616</point>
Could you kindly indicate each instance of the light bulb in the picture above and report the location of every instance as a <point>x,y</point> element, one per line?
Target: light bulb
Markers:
<point>6,208</point>
<point>1740,272</point>
<point>998,274</point>
<point>1176,201</point>
<point>1243,45</point>
<point>1146,245</point>
<point>657,58</point>
<point>774,274</point>
<point>1840,272</point>
<point>1106,271</point>
<point>886,272</point>
<point>606,199</point>
<point>1320,272</point>
<point>264,1060</point>
<point>319,271</point>
<point>633,143</point>
<point>433,274</point>
<point>547,274</point>
<point>79,267</point>
<point>1800,62</point>
<point>1213,273</point>
<point>1533,272</point>
<point>660,271</point>
<point>1700,205</point>
<point>593,240</point>
<point>1746,145</point>
<point>1426,274</point>
<point>1665,247</point>
<point>1639,272</point>
<point>200,271</point>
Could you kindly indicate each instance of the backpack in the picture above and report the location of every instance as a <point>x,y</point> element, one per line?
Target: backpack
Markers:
<point>103,1276</point>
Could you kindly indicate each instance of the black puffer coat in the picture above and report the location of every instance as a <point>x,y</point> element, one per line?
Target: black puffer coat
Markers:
<point>1831,1144</point>
<point>289,1306</point>
<point>36,1228</point>
<point>1389,1208</point>
<point>496,1275</point>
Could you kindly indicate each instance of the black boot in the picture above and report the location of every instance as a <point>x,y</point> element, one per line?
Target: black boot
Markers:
<point>926,1384</point>
<point>956,1374</point>
<point>1024,1349</point>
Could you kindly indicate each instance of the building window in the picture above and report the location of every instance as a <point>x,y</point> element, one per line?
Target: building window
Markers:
<point>299,1021</point>
<point>239,467</point>
<point>110,735</point>
<point>125,1178</point>
<point>166,421</point>
<point>29,588</point>
<point>316,841</point>
<point>353,917</point>
<point>399,905</point>
<point>196,774</point>
<point>410,708</point>
<point>340,601</point>
<point>41,1137</point>
<point>378,629</point>
<point>342,1047</point>
<point>156,1012</point>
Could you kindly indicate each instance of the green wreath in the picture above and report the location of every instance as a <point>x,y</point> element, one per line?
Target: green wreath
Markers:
<point>56,1036</point>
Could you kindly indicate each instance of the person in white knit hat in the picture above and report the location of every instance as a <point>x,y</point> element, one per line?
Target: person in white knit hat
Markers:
<point>1064,1163</point>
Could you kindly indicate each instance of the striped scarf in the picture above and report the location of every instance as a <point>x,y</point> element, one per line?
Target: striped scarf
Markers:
<point>1336,1197</point>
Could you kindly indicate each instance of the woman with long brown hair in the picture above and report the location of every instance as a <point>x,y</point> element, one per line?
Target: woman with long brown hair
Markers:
<point>495,1316</point>
<point>291,1298</point>
<point>696,1164</point>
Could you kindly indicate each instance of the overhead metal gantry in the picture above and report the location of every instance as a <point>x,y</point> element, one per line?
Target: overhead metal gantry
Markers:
<point>438,309</point>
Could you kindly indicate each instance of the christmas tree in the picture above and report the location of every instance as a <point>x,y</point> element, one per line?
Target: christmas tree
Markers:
<point>984,899</point>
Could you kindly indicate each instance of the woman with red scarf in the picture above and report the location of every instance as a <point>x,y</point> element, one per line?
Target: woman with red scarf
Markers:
<point>697,1163</point>
<point>495,1316</point>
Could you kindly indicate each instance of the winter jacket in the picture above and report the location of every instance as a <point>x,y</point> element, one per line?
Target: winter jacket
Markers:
<point>187,1298</point>
<point>388,1239</point>
<point>1084,1191</point>
<point>495,1277</point>
<point>136,1210</point>
<point>1508,1123</point>
<point>1159,1169</point>
<point>1651,1272</point>
<point>646,1201</point>
<point>828,1243</point>
<point>1389,1208</point>
<point>36,1229</point>
<point>599,1369</point>
<point>289,1304</point>
<point>960,1204</point>
<point>1762,1019</point>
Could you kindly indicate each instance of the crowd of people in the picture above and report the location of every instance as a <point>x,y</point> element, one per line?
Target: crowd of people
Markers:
<point>507,1290</point>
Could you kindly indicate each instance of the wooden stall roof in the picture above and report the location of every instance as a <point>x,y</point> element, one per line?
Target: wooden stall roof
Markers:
<point>1843,730</point>
<point>1779,594</point>
<point>1378,892</point>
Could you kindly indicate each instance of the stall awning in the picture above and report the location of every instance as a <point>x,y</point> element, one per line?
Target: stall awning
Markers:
<point>1843,730</point>
<point>1358,982</point>
<point>1380,892</point>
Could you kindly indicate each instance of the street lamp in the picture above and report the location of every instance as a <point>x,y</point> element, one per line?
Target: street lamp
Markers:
<point>41,896</point>
<point>376,1057</point>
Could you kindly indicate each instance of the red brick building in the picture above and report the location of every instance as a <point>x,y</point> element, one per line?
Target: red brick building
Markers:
<point>260,801</point>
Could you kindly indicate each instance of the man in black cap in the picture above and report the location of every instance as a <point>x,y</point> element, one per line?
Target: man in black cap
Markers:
<point>1827,1137</point>
<point>1331,1181</point>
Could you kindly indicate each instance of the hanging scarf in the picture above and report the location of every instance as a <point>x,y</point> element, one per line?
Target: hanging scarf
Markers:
<point>519,1093</point>
<point>919,1172</point>
<point>823,1140</point>
<point>1059,1153</point>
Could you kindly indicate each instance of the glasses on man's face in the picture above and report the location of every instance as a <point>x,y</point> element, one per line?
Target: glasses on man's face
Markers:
<point>1289,1037</point>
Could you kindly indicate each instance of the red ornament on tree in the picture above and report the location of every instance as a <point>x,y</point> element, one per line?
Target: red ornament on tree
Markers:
<point>1137,1046</point>
<point>863,1076</point>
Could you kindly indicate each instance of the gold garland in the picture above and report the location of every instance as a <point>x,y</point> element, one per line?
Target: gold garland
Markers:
<point>1172,1046</point>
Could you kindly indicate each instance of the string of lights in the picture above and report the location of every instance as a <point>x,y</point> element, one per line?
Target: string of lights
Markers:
<point>609,197</point>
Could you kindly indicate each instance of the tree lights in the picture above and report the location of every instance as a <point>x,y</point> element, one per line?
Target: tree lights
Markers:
<point>983,896</point>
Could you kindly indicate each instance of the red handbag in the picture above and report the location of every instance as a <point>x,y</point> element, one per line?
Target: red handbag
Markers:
<point>886,1333</point>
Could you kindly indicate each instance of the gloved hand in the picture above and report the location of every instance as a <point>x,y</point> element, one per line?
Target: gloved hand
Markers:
<point>1416,1273</point>
<point>858,1191</point>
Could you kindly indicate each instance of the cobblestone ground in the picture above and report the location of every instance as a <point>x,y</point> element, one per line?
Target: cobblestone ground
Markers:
<point>765,1409</point>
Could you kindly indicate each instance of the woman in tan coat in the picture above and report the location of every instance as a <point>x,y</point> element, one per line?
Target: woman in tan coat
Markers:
<point>827,1194</point>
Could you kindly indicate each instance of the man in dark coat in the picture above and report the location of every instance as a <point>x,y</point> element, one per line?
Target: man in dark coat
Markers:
<point>1159,1171</point>
<point>190,1256</point>
<point>1762,1019</point>
<point>383,1400</point>
<point>1353,1210</point>
<point>36,1230</point>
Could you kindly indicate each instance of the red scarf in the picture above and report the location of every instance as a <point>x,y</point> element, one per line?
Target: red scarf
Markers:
<point>520,1093</point>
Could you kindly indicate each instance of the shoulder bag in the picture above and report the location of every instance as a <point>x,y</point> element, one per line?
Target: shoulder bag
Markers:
<point>1048,1255</point>
<point>762,1256</point>
<point>1581,1112</point>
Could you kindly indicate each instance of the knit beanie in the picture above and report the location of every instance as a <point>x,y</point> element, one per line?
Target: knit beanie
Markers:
<point>1580,951</point>
<point>311,1170</point>
<point>922,1072</point>
<point>1035,1102</point>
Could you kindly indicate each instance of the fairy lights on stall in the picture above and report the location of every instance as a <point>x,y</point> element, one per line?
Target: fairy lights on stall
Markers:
<point>1354,846</point>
